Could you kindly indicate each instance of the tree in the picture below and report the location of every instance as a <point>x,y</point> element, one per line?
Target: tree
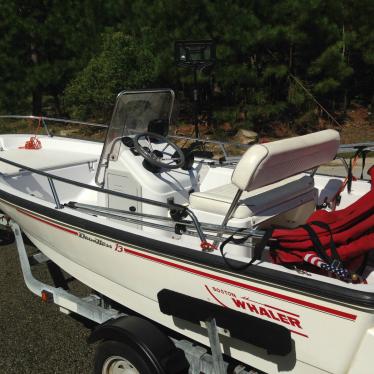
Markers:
<point>45,43</point>
<point>123,63</point>
<point>261,47</point>
<point>359,18</point>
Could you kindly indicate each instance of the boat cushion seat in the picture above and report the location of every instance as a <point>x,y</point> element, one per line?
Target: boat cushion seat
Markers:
<point>218,200</point>
<point>42,159</point>
<point>267,163</point>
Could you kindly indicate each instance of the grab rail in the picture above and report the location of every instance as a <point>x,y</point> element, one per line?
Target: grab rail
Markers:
<point>51,177</point>
<point>94,188</point>
<point>169,205</point>
<point>344,148</point>
<point>44,121</point>
<point>52,119</point>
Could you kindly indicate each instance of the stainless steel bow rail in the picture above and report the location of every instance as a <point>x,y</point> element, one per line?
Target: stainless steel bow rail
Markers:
<point>344,148</point>
<point>227,160</point>
<point>44,121</point>
<point>98,309</point>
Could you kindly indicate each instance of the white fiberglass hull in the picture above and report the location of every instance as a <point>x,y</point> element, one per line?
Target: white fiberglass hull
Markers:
<point>133,275</point>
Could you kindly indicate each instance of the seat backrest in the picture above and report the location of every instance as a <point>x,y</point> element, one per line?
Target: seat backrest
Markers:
<point>267,163</point>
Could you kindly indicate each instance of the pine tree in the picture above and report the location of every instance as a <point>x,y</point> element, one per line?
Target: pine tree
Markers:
<point>44,43</point>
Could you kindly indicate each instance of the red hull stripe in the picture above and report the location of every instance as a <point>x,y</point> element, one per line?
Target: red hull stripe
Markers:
<point>214,297</point>
<point>48,222</point>
<point>218,278</point>
<point>281,310</point>
<point>269,306</point>
<point>299,333</point>
<point>290,299</point>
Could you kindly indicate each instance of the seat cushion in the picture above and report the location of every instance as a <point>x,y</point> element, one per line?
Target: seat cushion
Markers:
<point>218,200</point>
<point>267,163</point>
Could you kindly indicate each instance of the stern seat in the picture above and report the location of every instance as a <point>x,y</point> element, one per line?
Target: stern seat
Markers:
<point>270,177</point>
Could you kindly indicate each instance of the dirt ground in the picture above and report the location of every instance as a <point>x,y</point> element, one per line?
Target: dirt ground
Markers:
<point>359,126</point>
<point>356,127</point>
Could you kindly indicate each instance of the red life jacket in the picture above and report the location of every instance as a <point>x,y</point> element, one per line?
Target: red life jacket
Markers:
<point>351,230</point>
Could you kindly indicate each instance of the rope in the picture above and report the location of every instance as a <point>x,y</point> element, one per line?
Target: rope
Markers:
<point>34,142</point>
<point>207,247</point>
<point>307,91</point>
<point>313,98</point>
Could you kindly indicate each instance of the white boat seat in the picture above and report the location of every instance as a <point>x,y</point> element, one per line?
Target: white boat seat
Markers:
<point>268,175</point>
<point>42,159</point>
<point>218,200</point>
<point>267,163</point>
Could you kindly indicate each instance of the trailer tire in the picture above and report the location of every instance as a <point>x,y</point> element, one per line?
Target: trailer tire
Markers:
<point>149,342</point>
<point>116,357</point>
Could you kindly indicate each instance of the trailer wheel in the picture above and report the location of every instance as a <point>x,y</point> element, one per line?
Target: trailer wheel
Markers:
<point>114,357</point>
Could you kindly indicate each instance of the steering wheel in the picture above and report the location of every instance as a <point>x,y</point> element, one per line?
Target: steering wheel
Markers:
<point>169,157</point>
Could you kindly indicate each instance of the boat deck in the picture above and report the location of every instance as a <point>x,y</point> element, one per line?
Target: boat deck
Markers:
<point>42,159</point>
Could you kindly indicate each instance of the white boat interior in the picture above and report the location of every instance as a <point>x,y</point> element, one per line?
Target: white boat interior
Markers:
<point>150,178</point>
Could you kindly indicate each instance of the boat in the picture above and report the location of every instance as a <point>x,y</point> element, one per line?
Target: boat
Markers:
<point>183,240</point>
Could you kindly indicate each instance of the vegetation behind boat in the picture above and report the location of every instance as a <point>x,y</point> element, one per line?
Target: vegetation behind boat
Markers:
<point>70,59</point>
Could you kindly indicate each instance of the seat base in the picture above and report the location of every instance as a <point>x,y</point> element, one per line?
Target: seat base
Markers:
<point>251,204</point>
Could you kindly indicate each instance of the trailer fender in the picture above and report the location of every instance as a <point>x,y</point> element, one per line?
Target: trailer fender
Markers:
<point>276,339</point>
<point>145,338</point>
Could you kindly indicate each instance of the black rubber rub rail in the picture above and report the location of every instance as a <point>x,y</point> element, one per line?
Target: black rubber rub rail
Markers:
<point>274,338</point>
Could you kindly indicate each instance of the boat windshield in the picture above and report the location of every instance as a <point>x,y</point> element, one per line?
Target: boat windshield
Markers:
<point>136,112</point>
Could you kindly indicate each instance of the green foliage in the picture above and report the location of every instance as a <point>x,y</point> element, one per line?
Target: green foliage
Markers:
<point>331,70</point>
<point>225,115</point>
<point>296,95</point>
<point>306,123</point>
<point>261,114</point>
<point>43,44</point>
<point>92,49</point>
<point>123,63</point>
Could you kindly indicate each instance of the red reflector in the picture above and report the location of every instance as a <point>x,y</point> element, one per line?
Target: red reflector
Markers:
<point>46,296</point>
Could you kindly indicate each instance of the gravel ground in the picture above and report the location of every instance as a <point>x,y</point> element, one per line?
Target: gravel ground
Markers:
<point>35,337</point>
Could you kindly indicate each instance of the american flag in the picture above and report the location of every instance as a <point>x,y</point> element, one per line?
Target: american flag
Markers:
<point>317,261</point>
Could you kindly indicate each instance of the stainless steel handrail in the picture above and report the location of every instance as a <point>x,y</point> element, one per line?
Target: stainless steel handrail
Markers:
<point>65,120</point>
<point>217,142</point>
<point>193,223</point>
<point>346,148</point>
<point>52,119</point>
<point>52,177</point>
<point>105,163</point>
<point>121,214</point>
<point>94,188</point>
<point>54,193</point>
